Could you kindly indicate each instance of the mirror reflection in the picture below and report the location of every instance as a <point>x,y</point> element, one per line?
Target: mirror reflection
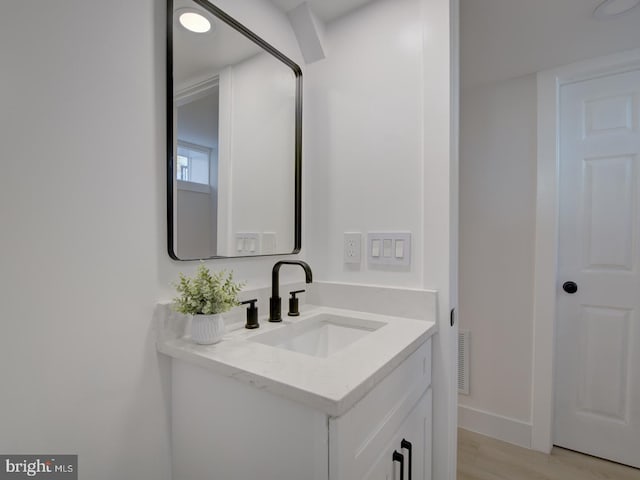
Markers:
<point>234,164</point>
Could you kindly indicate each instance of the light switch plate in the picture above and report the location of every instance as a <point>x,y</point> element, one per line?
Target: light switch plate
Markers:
<point>268,243</point>
<point>249,243</point>
<point>389,248</point>
<point>352,247</point>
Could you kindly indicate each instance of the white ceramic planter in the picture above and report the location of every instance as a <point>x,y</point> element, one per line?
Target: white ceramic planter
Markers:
<point>207,329</point>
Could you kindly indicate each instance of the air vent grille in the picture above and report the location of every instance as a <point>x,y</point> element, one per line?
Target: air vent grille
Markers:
<point>463,361</point>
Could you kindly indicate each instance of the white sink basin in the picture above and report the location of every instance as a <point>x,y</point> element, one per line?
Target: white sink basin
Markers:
<point>320,335</point>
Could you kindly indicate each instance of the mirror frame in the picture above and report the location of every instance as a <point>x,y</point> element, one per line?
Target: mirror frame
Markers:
<point>233,23</point>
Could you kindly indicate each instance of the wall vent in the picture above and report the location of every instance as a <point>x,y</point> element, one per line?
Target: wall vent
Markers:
<point>463,361</point>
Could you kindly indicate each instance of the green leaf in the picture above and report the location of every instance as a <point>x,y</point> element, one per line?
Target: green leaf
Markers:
<point>206,293</point>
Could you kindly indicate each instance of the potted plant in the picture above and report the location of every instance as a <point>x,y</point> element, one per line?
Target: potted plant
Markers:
<point>206,297</point>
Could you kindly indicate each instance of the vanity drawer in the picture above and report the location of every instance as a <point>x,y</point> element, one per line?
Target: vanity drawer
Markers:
<point>357,437</point>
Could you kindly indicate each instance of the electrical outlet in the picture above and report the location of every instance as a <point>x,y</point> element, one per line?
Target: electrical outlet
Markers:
<point>352,248</point>
<point>268,243</point>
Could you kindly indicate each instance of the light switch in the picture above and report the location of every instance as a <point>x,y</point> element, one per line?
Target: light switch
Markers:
<point>389,249</point>
<point>386,247</point>
<point>375,248</point>
<point>247,243</point>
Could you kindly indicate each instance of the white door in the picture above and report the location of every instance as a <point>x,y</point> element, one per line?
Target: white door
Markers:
<point>597,384</point>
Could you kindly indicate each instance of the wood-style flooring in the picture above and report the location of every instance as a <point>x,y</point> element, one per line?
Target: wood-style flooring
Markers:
<point>484,458</point>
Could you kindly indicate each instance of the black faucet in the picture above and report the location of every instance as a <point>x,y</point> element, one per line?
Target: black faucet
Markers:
<point>275,304</point>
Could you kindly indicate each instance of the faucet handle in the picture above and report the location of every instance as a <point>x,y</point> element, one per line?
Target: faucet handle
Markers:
<point>293,304</point>
<point>252,314</point>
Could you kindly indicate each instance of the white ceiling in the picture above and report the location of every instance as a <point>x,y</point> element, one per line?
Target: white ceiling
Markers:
<point>326,10</point>
<point>503,39</point>
<point>200,55</point>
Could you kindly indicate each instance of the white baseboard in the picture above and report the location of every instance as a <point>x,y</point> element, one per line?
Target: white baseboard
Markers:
<point>506,429</point>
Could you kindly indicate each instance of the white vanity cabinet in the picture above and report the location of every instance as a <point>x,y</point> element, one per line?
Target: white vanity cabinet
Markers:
<point>225,429</point>
<point>362,441</point>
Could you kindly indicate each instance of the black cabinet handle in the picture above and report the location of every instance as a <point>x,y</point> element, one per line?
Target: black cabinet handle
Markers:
<point>407,445</point>
<point>398,457</point>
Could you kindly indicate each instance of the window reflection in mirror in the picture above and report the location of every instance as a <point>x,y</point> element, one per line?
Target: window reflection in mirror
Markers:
<point>235,173</point>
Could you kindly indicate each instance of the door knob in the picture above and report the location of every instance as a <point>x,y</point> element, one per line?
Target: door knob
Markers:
<point>570,287</point>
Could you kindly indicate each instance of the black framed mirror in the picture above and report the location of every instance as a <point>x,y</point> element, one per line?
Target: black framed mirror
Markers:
<point>234,138</point>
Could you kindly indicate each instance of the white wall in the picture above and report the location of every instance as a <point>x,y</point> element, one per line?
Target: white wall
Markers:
<point>262,175</point>
<point>198,119</point>
<point>497,230</point>
<point>363,130</point>
<point>194,221</point>
<point>80,202</point>
<point>83,243</point>
<point>380,136</point>
<point>441,190</point>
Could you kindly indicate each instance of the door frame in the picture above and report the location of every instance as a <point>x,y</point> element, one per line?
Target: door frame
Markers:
<point>546,243</point>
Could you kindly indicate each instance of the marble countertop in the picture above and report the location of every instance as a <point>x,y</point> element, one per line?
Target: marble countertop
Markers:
<point>332,384</point>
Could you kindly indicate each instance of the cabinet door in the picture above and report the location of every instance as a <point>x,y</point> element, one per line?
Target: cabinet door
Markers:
<point>358,438</point>
<point>416,429</point>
